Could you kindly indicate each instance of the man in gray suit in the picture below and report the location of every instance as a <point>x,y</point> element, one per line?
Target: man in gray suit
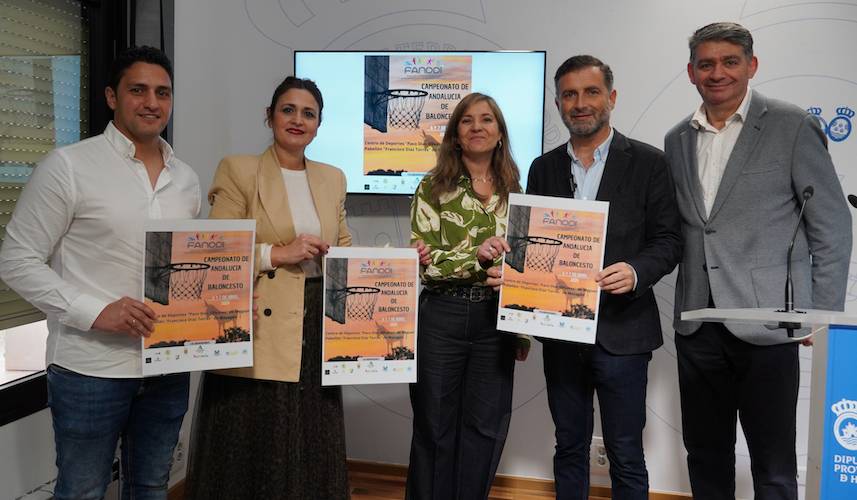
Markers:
<point>741,164</point>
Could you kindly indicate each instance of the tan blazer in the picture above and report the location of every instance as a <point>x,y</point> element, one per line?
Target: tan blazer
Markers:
<point>251,187</point>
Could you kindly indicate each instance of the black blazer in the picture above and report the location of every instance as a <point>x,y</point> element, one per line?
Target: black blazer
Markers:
<point>643,229</point>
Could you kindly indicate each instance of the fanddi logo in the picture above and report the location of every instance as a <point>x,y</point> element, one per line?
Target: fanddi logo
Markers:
<point>376,267</point>
<point>206,241</point>
<point>422,66</point>
<point>559,218</point>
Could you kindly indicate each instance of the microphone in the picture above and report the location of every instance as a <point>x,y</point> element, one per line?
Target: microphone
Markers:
<point>852,200</point>
<point>573,185</point>
<point>790,293</point>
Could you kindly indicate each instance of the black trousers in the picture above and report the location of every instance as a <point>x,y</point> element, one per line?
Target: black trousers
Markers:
<point>722,378</point>
<point>462,400</point>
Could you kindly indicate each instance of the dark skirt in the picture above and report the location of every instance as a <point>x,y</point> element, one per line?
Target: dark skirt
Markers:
<point>260,439</point>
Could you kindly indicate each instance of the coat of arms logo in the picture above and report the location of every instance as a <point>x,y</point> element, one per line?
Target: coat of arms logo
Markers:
<point>839,127</point>
<point>845,426</point>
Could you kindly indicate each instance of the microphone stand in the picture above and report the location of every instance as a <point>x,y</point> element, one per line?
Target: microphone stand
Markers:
<point>791,326</point>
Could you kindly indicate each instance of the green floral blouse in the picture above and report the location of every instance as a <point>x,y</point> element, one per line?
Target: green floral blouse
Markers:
<point>453,229</point>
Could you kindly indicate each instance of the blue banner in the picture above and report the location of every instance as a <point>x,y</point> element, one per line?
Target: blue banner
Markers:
<point>839,452</point>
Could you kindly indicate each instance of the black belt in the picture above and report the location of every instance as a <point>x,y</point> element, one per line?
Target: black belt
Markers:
<point>470,293</point>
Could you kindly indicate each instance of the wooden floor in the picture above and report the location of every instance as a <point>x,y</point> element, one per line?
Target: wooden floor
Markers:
<point>366,486</point>
<point>373,481</point>
<point>386,482</point>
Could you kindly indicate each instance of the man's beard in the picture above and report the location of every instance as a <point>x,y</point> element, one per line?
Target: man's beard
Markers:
<point>581,129</point>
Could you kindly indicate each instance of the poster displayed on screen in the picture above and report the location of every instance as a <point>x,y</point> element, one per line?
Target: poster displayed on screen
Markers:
<point>370,316</point>
<point>198,278</point>
<point>407,101</point>
<point>385,113</point>
<point>549,287</point>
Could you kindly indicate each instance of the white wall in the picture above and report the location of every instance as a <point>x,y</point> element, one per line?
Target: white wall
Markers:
<point>230,54</point>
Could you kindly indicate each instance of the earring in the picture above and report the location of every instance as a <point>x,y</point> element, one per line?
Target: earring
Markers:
<point>499,143</point>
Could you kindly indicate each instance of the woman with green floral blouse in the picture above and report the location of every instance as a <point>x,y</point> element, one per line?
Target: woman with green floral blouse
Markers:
<point>462,400</point>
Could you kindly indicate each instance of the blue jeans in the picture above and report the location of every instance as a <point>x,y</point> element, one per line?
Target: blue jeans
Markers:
<point>91,414</point>
<point>573,372</point>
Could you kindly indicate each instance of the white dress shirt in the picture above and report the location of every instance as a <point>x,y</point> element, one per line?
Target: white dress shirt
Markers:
<point>75,244</point>
<point>304,217</point>
<point>714,147</point>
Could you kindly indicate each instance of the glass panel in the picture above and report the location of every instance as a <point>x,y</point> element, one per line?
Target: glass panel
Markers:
<point>43,103</point>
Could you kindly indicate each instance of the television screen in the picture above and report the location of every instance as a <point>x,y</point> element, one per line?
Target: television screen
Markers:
<point>385,112</point>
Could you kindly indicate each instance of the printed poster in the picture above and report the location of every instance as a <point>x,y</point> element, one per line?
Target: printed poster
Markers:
<point>198,277</point>
<point>408,100</point>
<point>549,287</point>
<point>370,316</point>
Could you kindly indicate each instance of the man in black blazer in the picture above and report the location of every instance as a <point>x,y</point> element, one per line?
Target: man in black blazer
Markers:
<point>643,244</point>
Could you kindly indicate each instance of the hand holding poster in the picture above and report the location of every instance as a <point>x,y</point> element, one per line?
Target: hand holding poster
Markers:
<point>549,287</point>
<point>370,316</point>
<point>198,278</point>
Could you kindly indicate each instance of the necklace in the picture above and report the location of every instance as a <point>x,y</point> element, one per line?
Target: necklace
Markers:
<point>485,179</point>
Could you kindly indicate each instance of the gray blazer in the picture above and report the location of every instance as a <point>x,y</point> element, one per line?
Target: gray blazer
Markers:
<point>739,251</point>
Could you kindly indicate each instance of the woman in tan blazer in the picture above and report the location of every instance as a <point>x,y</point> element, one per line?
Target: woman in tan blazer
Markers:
<point>272,431</point>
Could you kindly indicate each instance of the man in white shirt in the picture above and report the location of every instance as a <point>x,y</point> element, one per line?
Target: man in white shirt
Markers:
<point>742,164</point>
<point>74,249</point>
